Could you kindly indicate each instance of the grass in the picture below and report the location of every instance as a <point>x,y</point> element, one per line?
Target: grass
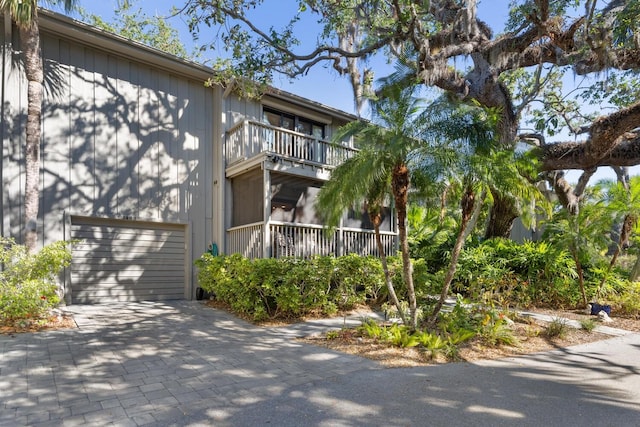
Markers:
<point>588,324</point>
<point>558,327</point>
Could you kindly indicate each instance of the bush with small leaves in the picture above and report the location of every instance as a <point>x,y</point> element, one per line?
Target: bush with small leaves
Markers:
<point>28,289</point>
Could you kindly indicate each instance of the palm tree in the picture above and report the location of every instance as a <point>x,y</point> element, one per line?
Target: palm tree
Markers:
<point>360,178</point>
<point>25,14</point>
<point>624,206</point>
<point>482,170</point>
<point>583,234</point>
<point>386,145</point>
<point>404,139</point>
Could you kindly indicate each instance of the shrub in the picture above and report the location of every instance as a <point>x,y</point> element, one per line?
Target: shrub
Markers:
<point>626,300</point>
<point>588,324</point>
<point>28,287</point>
<point>558,327</point>
<point>498,332</point>
<point>503,272</point>
<point>285,287</point>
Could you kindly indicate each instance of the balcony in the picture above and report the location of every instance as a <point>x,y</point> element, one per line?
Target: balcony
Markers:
<point>249,138</point>
<point>280,240</point>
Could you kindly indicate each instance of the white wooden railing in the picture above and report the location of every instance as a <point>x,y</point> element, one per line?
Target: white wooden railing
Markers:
<point>304,241</point>
<point>301,241</point>
<point>246,240</point>
<point>363,242</point>
<point>250,138</point>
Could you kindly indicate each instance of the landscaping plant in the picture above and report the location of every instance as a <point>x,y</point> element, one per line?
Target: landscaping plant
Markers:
<point>28,289</point>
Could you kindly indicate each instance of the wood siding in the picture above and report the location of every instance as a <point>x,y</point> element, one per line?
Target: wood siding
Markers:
<point>120,139</point>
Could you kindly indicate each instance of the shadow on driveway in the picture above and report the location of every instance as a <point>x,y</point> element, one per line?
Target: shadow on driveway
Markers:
<point>181,363</point>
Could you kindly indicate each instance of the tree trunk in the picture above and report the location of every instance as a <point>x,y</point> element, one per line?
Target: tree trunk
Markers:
<point>30,39</point>
<point>400,187</point>
<point>376,220</point>
<point>580,277</point>
<point>468,220</point>
<point>503,213</point>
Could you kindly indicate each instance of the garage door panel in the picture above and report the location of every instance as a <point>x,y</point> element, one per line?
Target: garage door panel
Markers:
<point>110,286</point>
<point>124,296</point>
<point>173,241</point>
<point>119,260</point>
<point>147,268</point>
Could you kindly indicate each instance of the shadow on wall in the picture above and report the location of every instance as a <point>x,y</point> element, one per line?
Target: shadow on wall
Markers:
<point>119,139</point>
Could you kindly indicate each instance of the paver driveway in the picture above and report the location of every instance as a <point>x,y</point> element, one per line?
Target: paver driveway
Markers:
<point>180,363</point>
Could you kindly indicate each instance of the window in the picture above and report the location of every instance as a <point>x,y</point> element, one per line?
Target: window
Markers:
<point>292,122</point>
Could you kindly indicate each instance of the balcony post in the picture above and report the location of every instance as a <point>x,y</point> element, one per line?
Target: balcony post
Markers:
<point>266,234</point>
<point>246,140</point>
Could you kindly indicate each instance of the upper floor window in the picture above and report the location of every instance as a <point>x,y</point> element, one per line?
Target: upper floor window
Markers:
<point>293,122</point>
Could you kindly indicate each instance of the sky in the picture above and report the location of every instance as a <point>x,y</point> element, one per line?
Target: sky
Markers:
<point>321,84</point>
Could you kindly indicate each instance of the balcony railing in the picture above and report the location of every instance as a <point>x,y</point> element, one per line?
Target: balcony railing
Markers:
<point>304,241</point>
<point>250,138</point>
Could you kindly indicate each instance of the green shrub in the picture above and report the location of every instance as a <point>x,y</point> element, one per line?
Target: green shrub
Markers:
<point>558,327</point>
<point>286,287</point>
<point>498,332</point>
<point>626,300</point>
<point>28,287</point>
<point>503,272</point>
<point>400,336</point>
<point>371,329</point>
<point>588,324</point>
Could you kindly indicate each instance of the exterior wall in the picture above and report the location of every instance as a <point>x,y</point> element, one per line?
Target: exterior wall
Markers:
<point>121,138</point>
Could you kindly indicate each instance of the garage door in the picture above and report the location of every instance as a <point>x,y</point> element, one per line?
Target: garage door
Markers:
<point>119,260</point>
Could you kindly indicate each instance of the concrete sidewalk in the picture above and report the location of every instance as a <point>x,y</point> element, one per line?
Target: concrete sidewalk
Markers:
<point>181,363</point>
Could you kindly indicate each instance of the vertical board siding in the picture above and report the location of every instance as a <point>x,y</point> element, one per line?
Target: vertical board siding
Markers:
<point>121,138</point>
<point>13,125</point>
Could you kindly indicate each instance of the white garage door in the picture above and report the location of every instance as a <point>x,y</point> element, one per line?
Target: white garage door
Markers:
<point>119,260</point>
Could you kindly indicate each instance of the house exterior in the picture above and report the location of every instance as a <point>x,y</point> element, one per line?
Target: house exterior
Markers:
<point>148,168</point>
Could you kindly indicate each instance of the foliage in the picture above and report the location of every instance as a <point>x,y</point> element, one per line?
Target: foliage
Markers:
<point>28,287</point>
<point>465,321</point>
<point>588,324</point>
<point>355,276</point>
<point>584,234</point>
<point>505,273</point>
<point>135,25</point>
<point>626,300</point>
<point>289,287</point>
<point>558,327</point>
<point>431,342</point>
<point>497,331</point>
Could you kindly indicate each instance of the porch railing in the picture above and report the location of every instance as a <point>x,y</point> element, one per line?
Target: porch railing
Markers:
<point>246,240</point>
<point>250,138</point>
<point>304,241</point>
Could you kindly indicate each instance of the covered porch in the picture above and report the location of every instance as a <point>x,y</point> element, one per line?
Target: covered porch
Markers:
<point>274,176</point>
<point>279,239</point>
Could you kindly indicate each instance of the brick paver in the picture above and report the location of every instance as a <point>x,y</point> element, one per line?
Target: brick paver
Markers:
<point>150,363</point>
<point>181,363</point>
